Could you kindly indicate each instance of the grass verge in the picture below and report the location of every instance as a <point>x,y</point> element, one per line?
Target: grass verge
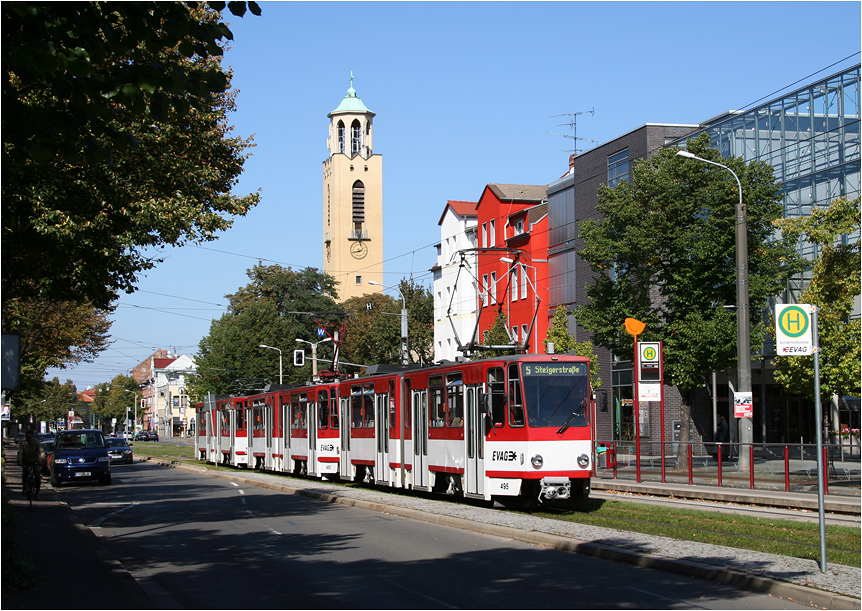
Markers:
<point>772,536</point>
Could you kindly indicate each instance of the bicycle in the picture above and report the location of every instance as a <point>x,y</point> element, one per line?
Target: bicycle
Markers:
<point>32,486</point>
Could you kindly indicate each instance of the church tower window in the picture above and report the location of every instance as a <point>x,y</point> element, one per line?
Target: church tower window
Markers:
<point>358,209</point>
<point>355,138</point>
<point>341,136</point>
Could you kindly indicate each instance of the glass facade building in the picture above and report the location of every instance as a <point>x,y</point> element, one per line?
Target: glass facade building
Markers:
<point>810,137</point>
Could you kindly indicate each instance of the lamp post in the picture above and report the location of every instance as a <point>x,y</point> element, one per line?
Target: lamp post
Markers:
<point>135,424</point>
<point>314,354</point>
<point>404,345</point>
<point>743,331</point>
<point>280,377</point>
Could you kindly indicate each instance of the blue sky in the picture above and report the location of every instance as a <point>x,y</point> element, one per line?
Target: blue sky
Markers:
<point>464,94</point>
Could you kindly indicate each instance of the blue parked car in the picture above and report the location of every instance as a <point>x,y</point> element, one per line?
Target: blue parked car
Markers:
<point>80,455</point>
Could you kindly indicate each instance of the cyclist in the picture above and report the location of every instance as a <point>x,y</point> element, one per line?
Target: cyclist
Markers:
<point>30,454</point>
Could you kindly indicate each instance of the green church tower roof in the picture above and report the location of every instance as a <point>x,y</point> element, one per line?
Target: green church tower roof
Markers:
<point>351,103</point>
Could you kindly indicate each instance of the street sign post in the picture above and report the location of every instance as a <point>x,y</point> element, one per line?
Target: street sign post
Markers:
<point>796,335</point>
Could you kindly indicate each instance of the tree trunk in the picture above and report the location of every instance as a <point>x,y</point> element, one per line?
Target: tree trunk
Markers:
<point>684,432</point>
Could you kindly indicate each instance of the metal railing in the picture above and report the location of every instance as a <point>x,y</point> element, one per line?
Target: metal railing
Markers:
<point>773,466</point>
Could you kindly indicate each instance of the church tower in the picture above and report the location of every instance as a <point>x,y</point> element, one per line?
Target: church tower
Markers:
<point>352,200</point>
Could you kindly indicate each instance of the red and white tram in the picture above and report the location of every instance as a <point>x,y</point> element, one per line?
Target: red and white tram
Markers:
<point>514,426</point>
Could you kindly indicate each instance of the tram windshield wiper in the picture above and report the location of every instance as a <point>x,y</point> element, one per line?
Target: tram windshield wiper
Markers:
<point>568,421</point>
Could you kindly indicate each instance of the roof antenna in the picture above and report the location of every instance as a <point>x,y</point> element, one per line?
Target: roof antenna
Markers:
<point>573,123</point>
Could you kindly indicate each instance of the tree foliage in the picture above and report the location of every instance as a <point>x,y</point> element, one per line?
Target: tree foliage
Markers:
<point>115,399</point>
<point>50,402</point>
<point>664,253</point>
<point>115,142</point>
<point>374,335</point>
<point>54,334</point>
<point>564,342</point>
<point>835,283</point>
<point>273,309</point>
<point>497,335</point>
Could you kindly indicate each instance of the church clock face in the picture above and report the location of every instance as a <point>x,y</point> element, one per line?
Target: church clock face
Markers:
<point>358,250</point>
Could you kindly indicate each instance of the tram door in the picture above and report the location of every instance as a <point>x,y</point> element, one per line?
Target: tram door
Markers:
<point>475,437</point>
<point>381,435</point>
<point>420,439</point>
<point>345,468</point>
<point>268,423</point>
<point>284,431</point>
<point>311,467</point>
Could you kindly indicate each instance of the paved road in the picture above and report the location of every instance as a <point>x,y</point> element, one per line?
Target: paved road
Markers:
<point>194,541</point>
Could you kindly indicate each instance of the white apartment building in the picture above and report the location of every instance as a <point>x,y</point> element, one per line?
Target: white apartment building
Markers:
<point>456,307</point>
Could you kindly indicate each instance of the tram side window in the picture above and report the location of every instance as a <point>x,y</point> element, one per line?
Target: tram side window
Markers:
<point>516,404</point>
<point>455,390</point>
<point>368,405</point>
<point>240,416</point>
<point>497,393</point>
<point>437,398</point>
<point>322,409</point>
<point>299,404</point>
<point>393,424</point>
<point>257,416</point>
<point>356,407</point>
<point>333,410</point>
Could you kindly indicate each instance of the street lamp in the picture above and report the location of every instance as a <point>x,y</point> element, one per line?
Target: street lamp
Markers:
<point>314,354</point>
<point>280,376</point>
<point>136,407</point>
<point>743,332</point>
<point>404,346</point>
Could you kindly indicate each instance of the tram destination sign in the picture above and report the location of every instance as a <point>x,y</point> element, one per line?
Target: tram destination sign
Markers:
<point>793,330</point>
<point>555,369</point>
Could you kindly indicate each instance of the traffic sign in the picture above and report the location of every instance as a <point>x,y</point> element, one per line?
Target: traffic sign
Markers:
<point>793,330</point>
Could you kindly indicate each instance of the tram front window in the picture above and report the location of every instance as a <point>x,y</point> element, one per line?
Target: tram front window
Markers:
<point>556,394</point>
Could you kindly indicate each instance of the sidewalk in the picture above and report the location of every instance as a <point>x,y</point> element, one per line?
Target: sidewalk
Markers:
<point>74,570</point>
<point>78,573</point>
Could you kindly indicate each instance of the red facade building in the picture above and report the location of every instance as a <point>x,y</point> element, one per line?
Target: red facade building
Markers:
<point>513,263</point>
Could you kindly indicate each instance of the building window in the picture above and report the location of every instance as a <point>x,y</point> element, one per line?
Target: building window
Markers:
<point>519,226</point>
<point>340,133</point>
<point>618,167</point>
<point>355,138</point>
<point>358,280</point>
<point>524,333</point>
<point>485,290</point>
<point>492,239</point>
<point>493,286</point>
<point>514,277</point>
<point>358,208</point>
<point>484,235</point>
<point>523,282</point>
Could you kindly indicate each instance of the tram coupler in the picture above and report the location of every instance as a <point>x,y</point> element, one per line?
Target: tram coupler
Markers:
<point>555,488</point>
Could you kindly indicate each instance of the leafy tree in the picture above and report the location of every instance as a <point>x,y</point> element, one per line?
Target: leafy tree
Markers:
<point>496,335</point>
<point>273,309</point>
<point>663,252</point>
<point>420,320</point>
<point>54,334</point>
<point>835,283</point>
<point>115,142</point>
<point>565,342</point>
<point>373,334</point>
<point>50,403</point>
<point>112,401</point>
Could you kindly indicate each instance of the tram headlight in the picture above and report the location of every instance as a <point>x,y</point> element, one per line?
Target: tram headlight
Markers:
<point>537,461</point>
<point>583,461</point>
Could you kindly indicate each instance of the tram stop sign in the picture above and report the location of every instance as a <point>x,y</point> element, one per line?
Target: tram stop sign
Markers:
<point>793,330</point>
